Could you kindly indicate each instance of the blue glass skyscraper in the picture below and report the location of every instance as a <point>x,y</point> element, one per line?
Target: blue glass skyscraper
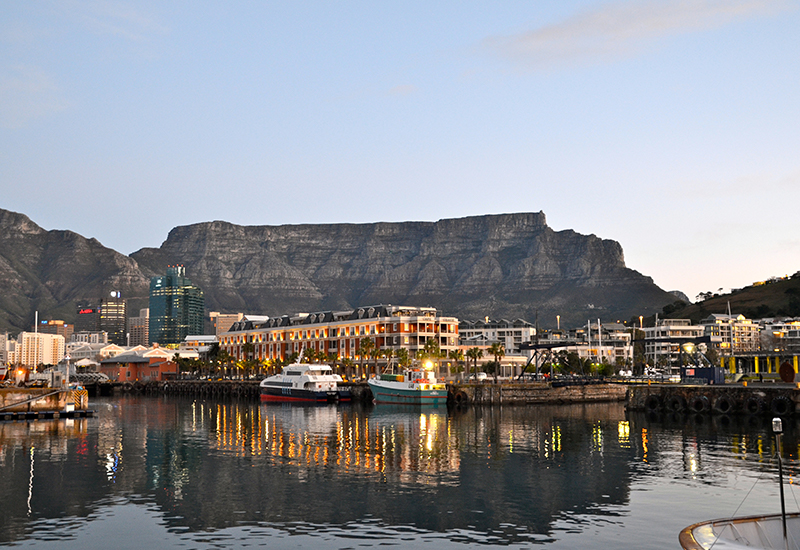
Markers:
<point>176,307</point>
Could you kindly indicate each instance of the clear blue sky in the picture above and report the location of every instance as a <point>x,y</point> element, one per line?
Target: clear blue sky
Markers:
<point>672,127</point>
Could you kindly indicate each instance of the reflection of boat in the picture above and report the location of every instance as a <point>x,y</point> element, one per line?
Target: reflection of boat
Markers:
<point>413,387</point>
<point>303,382</point>
<point>746,532</point>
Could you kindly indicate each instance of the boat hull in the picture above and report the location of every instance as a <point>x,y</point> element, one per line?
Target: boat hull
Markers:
<point>269,394</point>
<point>396,394</point>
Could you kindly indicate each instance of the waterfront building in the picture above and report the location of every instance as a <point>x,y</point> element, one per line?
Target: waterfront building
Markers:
<point>197,346</point>
<point>780,335</point>
<point>35,348</point>
<point>732,334</point>
<point>339,333</point>
<point>176,307</point>
<point>660,352</point>
<point>608,343</point>
<point>222,321</point>
<point>487,331</point>
<point>140,365</point>
<point>56,327</point>
<point>139,329</point>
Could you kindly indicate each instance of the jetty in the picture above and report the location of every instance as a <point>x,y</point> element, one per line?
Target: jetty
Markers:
<point>732,398</point>
<point>17,403</point>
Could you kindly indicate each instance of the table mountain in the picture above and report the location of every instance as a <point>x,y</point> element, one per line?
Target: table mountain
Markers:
<point>509,265</point>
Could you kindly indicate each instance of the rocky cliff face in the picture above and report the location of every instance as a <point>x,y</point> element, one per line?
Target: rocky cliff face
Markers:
<point>510,265</point>
<point>50,271</point>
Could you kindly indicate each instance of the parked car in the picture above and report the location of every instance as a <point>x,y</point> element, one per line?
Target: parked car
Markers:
<point>478,376</point>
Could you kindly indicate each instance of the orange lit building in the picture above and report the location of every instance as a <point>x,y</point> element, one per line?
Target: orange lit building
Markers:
<point>340,332</point>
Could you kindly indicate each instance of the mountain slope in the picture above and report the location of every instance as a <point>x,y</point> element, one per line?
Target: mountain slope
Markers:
<point>510,265</point>
<point>51,271</point>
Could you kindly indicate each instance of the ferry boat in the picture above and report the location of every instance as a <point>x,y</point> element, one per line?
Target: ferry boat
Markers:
<point>304,382</point>
<point>413,387</point>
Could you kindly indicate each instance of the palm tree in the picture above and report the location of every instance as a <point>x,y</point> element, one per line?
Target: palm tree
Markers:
<point>365,347</point>
<point>456,355</point>
<point>347,363</point>
<point>475,354</point>
<point>432,349</point>
<point>498,350</point>
<point>403,357</point>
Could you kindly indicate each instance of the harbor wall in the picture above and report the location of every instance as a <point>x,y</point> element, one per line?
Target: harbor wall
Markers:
<point>715,399</point>
<point>534,394</point>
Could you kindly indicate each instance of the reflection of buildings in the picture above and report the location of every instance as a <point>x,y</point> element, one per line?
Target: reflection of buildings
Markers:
<point>412,446</point>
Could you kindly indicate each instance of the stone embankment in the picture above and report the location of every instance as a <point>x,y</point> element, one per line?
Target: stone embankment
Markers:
<point>775,399</point>
<point>534,393</point>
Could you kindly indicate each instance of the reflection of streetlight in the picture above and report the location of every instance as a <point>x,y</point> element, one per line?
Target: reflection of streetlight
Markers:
<point>558,322</point>
<point>641,319</point>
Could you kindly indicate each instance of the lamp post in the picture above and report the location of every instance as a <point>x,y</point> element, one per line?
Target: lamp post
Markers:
<point>777,428</point>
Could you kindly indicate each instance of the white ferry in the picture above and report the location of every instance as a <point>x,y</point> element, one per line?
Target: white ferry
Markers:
<point>304,382</point>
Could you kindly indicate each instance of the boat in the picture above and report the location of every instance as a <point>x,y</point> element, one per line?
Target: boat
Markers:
<point>304,382</point>
<point>771,531</point>
<point>743,532</point>
<point>413,387</point>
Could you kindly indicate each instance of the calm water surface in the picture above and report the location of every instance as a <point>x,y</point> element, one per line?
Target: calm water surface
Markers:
<point>174,472</point>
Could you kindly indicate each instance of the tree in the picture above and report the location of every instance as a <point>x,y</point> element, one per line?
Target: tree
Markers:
<point>365,347</point>
<point>458,356</point>
<point>475,354</point>
<point>403,357</point>
<point>433,351</point>
<point>498,351</point>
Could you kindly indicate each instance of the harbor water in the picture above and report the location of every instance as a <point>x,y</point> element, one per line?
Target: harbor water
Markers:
<point>189,473</point>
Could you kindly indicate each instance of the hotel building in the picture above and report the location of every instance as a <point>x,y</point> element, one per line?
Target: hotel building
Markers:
<point>340,332</point>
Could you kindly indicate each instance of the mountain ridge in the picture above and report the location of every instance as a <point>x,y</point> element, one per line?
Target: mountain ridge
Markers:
<point>497,265</point>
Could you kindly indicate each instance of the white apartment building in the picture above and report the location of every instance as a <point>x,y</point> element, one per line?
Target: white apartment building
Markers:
<point>35,348</point>
<point>487,331</point>
<point>734,333</point>
<point>657,351</point>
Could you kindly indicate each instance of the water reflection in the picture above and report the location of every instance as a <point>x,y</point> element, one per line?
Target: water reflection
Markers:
<point>210,472</point>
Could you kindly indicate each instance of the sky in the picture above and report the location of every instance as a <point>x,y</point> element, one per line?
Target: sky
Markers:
<point>670,126</point>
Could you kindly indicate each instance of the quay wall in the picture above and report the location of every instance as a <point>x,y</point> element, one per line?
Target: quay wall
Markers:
<point>774,399</point>
<point>534,394</point>
<point>459,394</point>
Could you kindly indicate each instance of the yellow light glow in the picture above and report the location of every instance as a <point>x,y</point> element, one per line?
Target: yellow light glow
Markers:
<point>429,365</point>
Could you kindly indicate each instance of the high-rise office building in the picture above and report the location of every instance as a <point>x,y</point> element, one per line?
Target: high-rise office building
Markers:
<point>88,318</point>
<point>176,307</point>
<point>113,318</point>
<point>139,329</point>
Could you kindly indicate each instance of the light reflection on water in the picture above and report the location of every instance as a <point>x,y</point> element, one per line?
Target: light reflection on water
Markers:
<point>209,474</point>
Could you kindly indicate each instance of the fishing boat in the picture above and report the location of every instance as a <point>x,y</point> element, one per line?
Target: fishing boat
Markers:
<point>413,387</point>
<point>773,531</point>
<point>304,382</point>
